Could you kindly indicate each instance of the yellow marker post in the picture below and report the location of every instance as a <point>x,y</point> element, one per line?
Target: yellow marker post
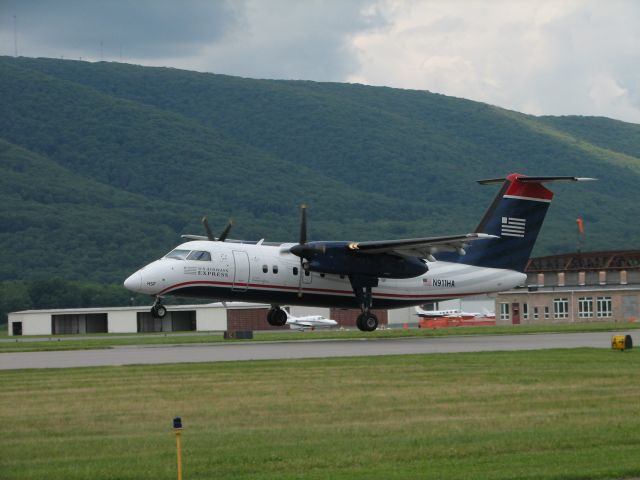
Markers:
<point>177,428</point>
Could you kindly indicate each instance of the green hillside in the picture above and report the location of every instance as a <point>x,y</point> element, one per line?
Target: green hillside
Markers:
<point>104,165</point>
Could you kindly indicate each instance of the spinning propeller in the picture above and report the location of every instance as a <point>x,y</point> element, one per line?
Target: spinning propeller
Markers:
<point>303,249</point>
<point>210,236</point>
<point>223,235</point>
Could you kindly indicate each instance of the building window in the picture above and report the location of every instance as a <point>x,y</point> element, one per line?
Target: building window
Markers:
<point>535,313</point>
<point>623,277</point>
<point>585,307</point>
<point>604,307</point>
<point>546,312</point>
<point>561,308</point>
<point>541,279</point>
<point>525,311</point>
<point>504,311</point>
<point>581,278</point>
<point>602,278</point>
<point>561,279</point>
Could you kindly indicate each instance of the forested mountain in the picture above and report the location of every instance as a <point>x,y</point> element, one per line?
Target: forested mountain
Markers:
<point>104,165</point>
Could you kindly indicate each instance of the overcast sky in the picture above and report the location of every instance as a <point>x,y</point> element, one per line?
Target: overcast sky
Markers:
<point>560,57</point>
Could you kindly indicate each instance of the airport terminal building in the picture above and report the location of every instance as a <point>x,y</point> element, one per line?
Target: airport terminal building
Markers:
<point>575,287</point>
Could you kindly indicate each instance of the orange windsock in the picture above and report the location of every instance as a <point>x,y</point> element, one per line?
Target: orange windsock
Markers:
<point>580,224</point>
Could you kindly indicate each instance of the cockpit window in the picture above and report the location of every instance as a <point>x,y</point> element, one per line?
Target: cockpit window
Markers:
<point>177,254</point>
<point>199,255</point>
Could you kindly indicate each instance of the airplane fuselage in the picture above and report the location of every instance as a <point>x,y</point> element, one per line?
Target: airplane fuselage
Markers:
<point>270,274</point>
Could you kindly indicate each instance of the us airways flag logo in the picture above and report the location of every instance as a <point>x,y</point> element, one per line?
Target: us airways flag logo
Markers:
<point>513,227</point>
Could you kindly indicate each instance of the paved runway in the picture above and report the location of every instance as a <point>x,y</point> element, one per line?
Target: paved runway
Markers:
<point>132,355</point>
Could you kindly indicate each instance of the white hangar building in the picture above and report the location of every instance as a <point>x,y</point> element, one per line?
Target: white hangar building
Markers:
<point>230,316</point>
<point>179,318</point>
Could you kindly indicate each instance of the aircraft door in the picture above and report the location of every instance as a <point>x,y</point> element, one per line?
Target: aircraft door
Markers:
<point>241,271</point>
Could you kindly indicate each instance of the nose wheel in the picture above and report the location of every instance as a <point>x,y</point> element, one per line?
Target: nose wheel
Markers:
<point>158,310</point>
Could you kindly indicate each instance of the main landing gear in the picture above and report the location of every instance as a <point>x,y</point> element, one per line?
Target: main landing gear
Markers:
<point>276,316</point>
<point>366,321</point>
<point>158,310</point>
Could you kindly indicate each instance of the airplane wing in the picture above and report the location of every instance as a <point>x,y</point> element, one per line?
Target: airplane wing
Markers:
<point>228,240</point>
<point>194,237</point>
<point>301,324</point>
<point>420,247</point>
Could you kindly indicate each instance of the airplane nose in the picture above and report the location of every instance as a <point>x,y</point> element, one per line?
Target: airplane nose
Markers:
<point>134,282</point>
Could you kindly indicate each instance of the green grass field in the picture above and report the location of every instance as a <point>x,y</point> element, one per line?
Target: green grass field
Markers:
<point>554,414</point>
<point>71,342</point>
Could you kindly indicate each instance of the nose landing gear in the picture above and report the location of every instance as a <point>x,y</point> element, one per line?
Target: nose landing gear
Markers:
<point>158,310</point>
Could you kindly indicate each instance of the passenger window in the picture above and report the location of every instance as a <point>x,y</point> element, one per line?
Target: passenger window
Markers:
<point>275,269</point>
<point>199,255</point>
<point>295,270</point>
<point>177,254</point>
<point>265,269</point>
<point>307,273</point>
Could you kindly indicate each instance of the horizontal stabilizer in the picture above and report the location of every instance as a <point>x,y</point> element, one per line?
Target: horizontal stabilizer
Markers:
<point>523,179</point>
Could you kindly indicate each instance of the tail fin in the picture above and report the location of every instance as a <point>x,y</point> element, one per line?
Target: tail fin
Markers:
<point>516,216</point>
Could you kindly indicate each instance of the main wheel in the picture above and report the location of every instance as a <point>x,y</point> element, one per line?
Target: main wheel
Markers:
<point>276,317</point>
<point>367,322</point>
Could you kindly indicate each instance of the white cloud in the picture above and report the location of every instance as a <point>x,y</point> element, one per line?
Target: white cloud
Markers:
<point>293,40</point>
<point>555,57</point>
<point>536,57</point>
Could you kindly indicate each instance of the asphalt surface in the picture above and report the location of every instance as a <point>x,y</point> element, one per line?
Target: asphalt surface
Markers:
<point>149,354</point>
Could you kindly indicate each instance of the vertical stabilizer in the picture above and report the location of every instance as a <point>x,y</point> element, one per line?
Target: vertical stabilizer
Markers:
<point>515,216</point>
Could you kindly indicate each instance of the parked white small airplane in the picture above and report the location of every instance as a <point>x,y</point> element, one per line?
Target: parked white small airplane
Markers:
<point>451,313</point>
<point>365,275</point>
<point>307,322</point>
<point>487,314</point>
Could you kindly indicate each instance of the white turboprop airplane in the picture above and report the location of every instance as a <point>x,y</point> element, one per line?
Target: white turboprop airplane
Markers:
<point>364,275</point>
<point>309,322</point>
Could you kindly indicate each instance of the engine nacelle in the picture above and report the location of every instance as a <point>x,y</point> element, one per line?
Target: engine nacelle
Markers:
<point>337,258</point>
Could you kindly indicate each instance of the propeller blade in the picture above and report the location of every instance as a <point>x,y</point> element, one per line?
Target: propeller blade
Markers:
<point>303,224</point>
<point>205,222</point>
<point>224,234</point>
